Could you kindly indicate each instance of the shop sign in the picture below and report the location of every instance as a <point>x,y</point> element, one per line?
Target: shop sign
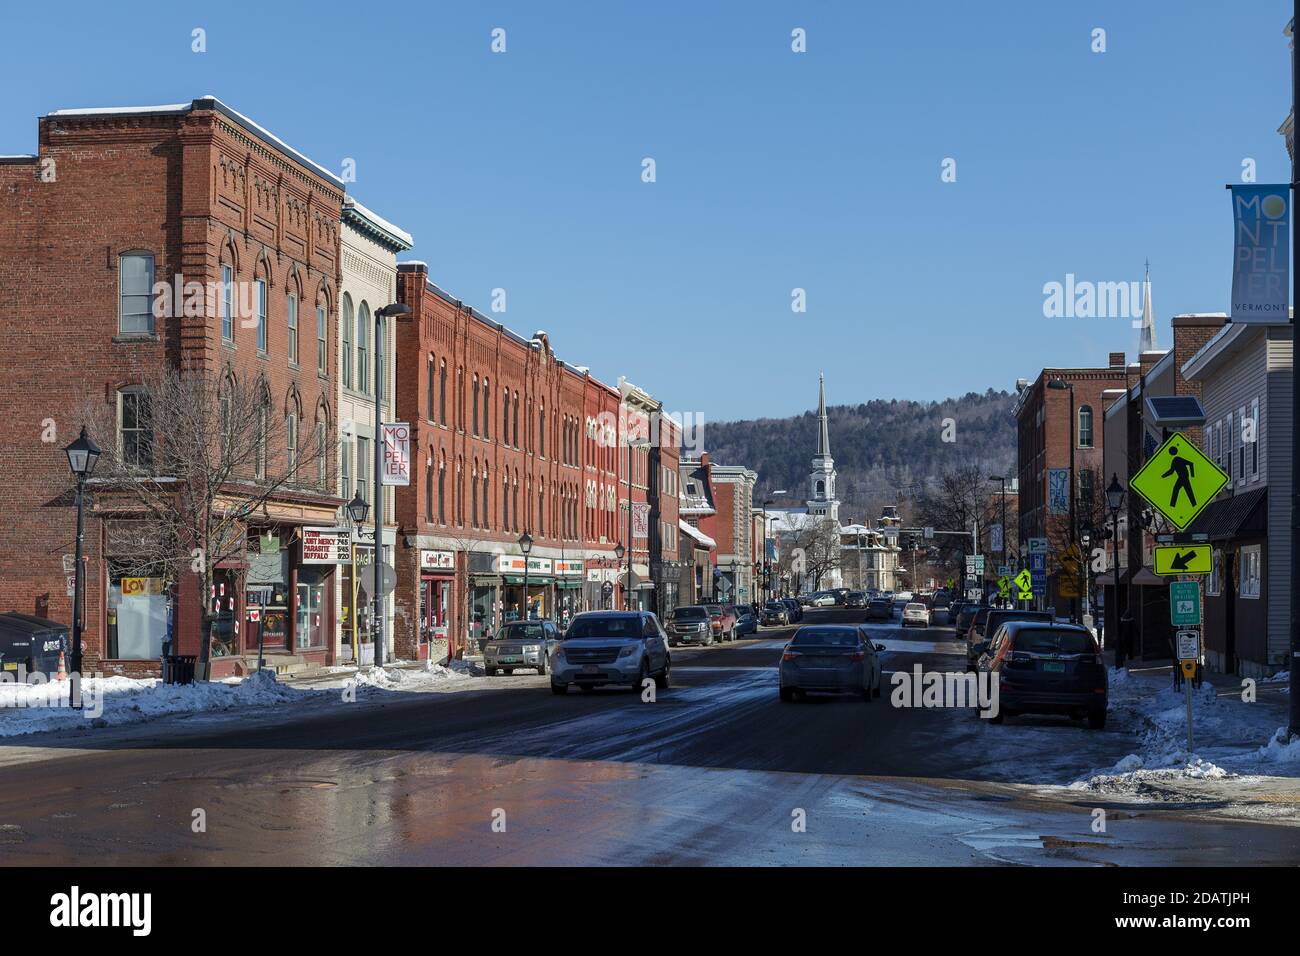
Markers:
<point>509,564</point>
<point>437,560</point>
<point>136,587</point>
<point>567,566</point>
<point>539,565</point>
<point>325,546</point>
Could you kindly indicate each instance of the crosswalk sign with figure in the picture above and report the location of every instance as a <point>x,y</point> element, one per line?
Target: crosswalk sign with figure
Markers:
<point>1179,480</point>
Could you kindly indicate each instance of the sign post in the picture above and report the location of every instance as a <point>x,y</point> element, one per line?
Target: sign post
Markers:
<point>1189,655</point>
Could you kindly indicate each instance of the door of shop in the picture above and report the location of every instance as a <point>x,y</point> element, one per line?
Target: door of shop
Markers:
<point>435,605</point>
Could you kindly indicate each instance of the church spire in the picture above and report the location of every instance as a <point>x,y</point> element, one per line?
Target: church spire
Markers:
<point>1147,337</point>
<point>824,432</point>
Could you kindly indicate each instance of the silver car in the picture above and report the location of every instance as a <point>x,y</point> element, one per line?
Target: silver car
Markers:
<point>521,644</point>
<point>840,658</point>
<point>611,647</point>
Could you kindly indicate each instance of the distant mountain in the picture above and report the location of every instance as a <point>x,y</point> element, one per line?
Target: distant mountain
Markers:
<point>884,450</point>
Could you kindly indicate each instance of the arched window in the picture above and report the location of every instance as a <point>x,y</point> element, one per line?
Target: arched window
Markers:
<point>227,301</point>
<point>348,319</point>
<point>487,408</point>
<point>363,348</point>
<point>505,416</point>
<point>1085,426</point>
<point>428,488</point>
<point>505,502</point>
<point>514,431</point>
<point>541,510</point>
<point>473,496</point>
<point>821,488</point>
<point>474,417</point>
<point>442,490</point>
<point>322,335</point>
<point>135,293</point>
<point>442,392</point>
<point>263,428</point>
<point>541,430</point>
<point>291,308</point>
<point>431,387</point>
<point>487,498</point>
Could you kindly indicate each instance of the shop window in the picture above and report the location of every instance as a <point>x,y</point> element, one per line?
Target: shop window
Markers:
<point>309,621</point>
<point>1214,584</point>
<point>139,611</point>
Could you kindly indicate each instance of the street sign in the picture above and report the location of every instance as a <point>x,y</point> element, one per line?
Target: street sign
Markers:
<point>1038,546</point>
<point>1185,603</point>
<point>1067,583</point>
<point>929,532</point>
<point>1004,587</point>
<point>1179,480</point>
<point>1038,562</point>
<point>1025,582</point>
<point>387,579</point>
<point>1189,646</point>
<point>1186,559</point>
<point>1004,570</point>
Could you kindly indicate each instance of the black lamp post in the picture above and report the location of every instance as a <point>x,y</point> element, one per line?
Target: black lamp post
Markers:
<point>1114,501</point>
<point>526,548</point>
<point>395,310</point>
<point>619,551</point>
<point>767,584</point>
<point>83,454</point>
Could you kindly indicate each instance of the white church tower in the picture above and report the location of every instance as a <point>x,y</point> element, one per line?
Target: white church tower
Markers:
<point>821,480</point>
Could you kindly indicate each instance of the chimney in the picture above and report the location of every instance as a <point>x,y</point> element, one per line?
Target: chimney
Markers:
<point>1116,359</point>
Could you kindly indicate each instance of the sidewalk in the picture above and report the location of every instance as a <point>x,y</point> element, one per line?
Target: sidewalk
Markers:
<point>1240,763</point>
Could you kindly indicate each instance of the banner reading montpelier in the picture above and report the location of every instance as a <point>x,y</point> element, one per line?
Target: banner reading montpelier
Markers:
<point>1261,227</point>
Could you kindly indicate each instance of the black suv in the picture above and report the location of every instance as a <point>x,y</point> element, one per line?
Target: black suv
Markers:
<point>1046,668</point>
<point>981,630</point>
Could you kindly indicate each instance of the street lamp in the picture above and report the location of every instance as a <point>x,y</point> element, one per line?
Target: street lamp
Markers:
<point>1114,501</point>
<point>358,508</point>
<point>83,454</point>
<point>525,547</point>
<point>766,570</point>
<point>396,311</point>
<point>1062,385</point>
<point>619,551</point>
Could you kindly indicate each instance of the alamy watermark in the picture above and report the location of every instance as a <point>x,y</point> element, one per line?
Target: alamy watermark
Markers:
<point>935,689</point>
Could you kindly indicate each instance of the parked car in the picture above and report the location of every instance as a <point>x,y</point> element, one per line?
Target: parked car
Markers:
<point>1046,668</point>
<point>856,599</point>
<point>987,625</point>
<point>964,618</point>
<point>723,621</point>
<point>805,600</point>
<point>611,647</point>
<point>916,614</point>
<point>776,612</point>
<point>880,609</point>
<point>830,657</point>
<point>690,624</point>
<point>746,620</point>
<point>823,599</point>
<point>520,644</point>
<point>796,609</point>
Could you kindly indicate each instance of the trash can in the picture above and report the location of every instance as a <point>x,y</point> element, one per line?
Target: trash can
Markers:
<point>178,668</point>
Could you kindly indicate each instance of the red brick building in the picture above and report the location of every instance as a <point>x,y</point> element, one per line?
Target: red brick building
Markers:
<point>498,429</point>
<point>114,202</point>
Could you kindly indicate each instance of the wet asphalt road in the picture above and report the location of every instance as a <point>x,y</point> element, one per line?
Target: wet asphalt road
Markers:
<point>716,771</point>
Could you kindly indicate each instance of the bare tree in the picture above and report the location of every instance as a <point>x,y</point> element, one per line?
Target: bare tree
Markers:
<point>191,460</point>
<point>955,502</point>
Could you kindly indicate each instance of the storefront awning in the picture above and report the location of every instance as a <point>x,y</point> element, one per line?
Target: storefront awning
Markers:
<point>690,531</point>
<point>534,580</point>
<point>1241,516</point>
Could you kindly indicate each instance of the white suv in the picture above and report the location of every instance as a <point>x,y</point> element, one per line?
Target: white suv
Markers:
<point>611,647</point>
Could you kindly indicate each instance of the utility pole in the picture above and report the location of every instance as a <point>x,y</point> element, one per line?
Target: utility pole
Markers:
<point>1294,724</point>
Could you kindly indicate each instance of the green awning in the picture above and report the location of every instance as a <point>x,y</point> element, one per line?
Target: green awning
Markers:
<point>533,579</point>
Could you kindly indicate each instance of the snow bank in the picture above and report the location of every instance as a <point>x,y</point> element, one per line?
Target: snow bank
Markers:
<point>115,701</point>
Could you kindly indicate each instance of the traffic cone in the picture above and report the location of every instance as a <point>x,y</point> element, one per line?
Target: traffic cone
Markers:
<point>63,668</point>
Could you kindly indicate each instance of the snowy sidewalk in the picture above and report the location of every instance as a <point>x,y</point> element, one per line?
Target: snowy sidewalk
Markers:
<point>1241,761</point>
<point>116,701</point>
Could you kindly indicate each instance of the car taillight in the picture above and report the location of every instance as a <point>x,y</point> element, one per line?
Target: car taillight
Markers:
<point>859,656</point>
<point>718,625</point>
<point>790,655</point>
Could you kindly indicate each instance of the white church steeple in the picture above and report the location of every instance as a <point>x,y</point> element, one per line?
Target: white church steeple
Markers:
<point>1147,337</point>
<point>821,480</point>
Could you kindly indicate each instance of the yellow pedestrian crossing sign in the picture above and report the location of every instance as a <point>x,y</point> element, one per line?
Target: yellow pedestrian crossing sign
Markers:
<point>1179,480</point>
<point>1025,584</point>
<point>1184,559</point>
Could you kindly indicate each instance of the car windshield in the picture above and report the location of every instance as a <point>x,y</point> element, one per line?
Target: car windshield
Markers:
<point>915,607</point>
<point>773,606</point>
<point>532,631</point>
<point>605,625</point>
<point>1054,641</point>
<point>690,614</point>
<point>826,637</point>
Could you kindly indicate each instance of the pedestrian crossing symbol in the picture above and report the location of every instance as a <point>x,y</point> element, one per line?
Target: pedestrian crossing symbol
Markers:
<point>1025,584</point>
<point>1179,480</point>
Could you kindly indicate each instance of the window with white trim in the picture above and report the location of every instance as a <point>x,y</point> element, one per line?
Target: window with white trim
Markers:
<point>227,303</point>
<point>1249,574</point>
<point>260,287</point>
<point>293,329</point>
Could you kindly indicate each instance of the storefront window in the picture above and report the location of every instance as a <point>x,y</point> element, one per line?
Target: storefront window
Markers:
<point>309,625</point>
<point>139,614</point>
<point>225,626</point>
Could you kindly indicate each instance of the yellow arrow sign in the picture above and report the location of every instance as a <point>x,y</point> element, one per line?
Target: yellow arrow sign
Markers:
<point>1179,480</point>
<point>1184,559</point>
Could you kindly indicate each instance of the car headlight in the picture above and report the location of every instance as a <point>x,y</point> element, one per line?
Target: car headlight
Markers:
<point>630,651</point>
<point>532,648</point>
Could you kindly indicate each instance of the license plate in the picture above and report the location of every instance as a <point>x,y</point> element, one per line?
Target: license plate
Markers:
<point>1054,667</point>
<point>590,669</point>
<point>11,667</point>
<point>508,660</point>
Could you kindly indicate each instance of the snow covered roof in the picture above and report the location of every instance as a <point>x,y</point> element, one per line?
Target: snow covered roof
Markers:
<point>697,534</point>
<point>209,103</point>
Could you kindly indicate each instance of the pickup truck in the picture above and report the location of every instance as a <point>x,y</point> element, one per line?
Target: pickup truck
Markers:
<point>723,621</point>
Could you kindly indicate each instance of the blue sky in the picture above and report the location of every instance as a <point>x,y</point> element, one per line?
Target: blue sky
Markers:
<point>775,170</point>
